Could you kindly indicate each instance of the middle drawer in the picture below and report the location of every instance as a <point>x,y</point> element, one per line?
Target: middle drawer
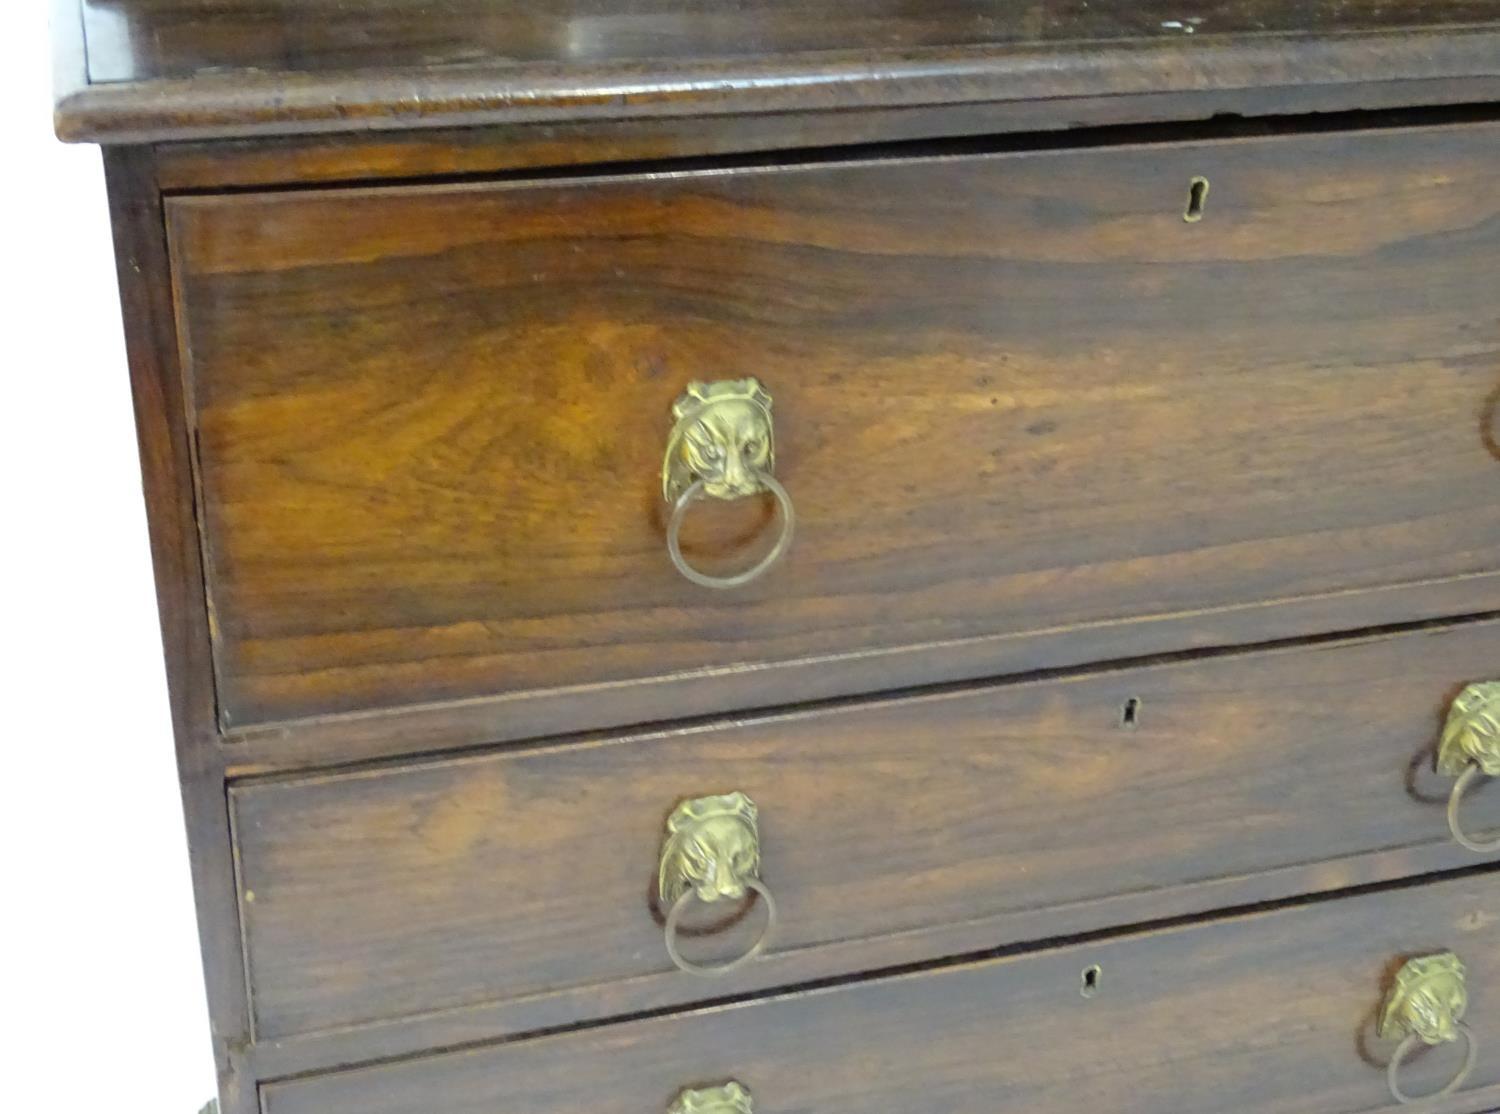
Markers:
<point>520,887</point>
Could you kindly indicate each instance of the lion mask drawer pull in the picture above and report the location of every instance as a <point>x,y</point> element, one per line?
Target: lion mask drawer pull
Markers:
<point>712,854</point>
<point>722,447</point>
<point>1426,1007</point>
<point>731,1098</point>
<point>1470,750</point>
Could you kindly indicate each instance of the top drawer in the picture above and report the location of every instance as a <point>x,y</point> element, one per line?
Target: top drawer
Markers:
<point>1014,395</point>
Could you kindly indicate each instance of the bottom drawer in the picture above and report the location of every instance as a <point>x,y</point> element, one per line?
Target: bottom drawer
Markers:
<point>1271,1011</point>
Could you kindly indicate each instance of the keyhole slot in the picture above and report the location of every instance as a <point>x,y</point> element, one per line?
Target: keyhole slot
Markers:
<point>1130,714</point>
<point>1197,200</point>
<point>1091,977</point>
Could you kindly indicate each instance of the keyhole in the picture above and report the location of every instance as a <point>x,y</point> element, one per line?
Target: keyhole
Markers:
<point>1091,977</point>
<point>1130,714</point>
<point>1197,199</point>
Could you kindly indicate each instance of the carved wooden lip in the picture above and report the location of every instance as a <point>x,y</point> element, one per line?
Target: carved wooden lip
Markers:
<point>242,103</point>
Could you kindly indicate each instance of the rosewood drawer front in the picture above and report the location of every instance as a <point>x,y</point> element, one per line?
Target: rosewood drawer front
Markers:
<point>520,888</point>
<point>1272,1012</point>
<point>1014,397</point>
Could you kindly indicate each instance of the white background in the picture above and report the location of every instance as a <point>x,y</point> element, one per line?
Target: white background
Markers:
<point>102,992</point>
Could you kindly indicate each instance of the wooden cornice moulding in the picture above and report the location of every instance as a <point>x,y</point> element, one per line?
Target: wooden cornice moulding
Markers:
<point>197,83</point>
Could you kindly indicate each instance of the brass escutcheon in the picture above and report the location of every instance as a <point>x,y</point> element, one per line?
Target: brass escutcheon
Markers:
<point>1426,1007</point>
<point>1470,750</point>
<point>731,1098</point>
<point>722,446</point>
<point>712,854</point>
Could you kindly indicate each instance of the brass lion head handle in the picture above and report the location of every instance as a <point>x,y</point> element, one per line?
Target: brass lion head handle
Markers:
<point>1470,750</point>
<point>1426,1006</point>
<point>722,446</point>
<point>731,1098</point>
<point>712,854</point>
<point>722,436</point>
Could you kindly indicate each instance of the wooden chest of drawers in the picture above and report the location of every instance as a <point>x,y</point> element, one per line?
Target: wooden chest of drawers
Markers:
<point>762,558</point>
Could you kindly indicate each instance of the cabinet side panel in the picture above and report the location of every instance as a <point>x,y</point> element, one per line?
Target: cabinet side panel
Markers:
<point>166,469</point>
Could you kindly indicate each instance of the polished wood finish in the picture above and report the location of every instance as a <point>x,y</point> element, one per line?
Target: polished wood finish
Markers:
<point>409,288</point>
<point>1014,393</point>
<point>491,1021</point>
<point>136,40</point>
<point>166,470</point>
<point>1270,1012</point>
<point>174,69</point>
<point>341,739</point>
<point>530,873</point>
<point>616,144</point>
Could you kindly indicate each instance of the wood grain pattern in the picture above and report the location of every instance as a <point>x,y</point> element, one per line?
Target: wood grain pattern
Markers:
<point>207,69</point>
<point>328,1049</point>
<point>166,473</point>
<point>1014,393</point>
<point>399,449</point>
<point>310,744</point>
<point>1225,113</point>
<point>133,40</point>
<point>526,874</point>
<point>1265,1013</point>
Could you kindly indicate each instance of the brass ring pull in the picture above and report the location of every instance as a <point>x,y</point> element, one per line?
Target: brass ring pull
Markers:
<point>1470,750</point>
<point>712,970</point>
<point>783,538</point>
<point>1426,1006</point>
<point>722,447</point>
<point>1472,773</point>
<point>1405,1049</point>
<point>712,854</point>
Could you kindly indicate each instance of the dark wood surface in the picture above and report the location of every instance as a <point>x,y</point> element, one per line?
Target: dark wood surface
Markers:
<point>1269,1012</point>
<point>617,144</point>
<point>180,68</point>
<point>529,873</point>
<point>133,40</point>
<point>1275,424</point>
<point>166,471</point>
<point>487,1022</point>
<point>1013,394</point>
<point>310,744</point>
